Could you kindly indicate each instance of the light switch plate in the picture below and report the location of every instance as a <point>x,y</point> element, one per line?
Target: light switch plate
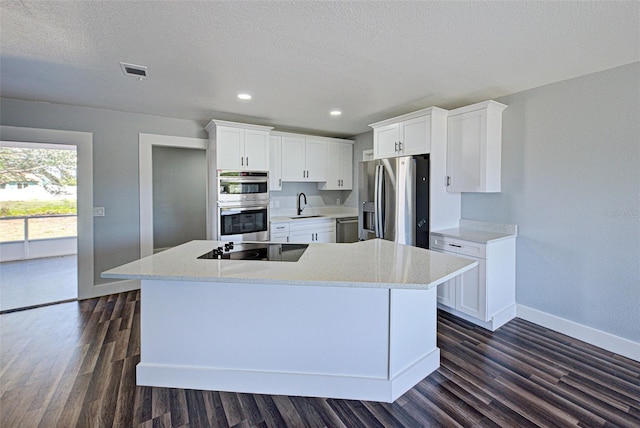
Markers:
<point>98,211</point>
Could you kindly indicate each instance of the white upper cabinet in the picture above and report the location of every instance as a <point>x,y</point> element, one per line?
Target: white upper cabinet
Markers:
<point>229,150</point>
<point>406,135</point>
<point>339,166</point>
<point>474,145</point>
<point>240,146</point>
<point>303,158</point>
<point>293,159</point>
<point>385,141</point>
<point>275,163</point>
<point>316,159</point>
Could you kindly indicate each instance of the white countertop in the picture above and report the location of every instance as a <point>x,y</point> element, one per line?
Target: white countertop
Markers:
<point>286,219</point>
<point>472,235</point>
<point>479,232</point>
<point>374,263</point>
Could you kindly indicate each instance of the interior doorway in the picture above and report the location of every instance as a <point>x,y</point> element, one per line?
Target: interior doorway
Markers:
<point>174,223</point>
<point>179,196</point>
<point>38,224</point>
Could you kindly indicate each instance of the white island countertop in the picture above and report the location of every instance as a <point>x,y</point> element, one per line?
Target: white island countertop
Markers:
<point>367,264</point>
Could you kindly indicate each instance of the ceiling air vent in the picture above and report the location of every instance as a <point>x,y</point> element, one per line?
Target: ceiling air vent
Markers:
<point>137,71</point>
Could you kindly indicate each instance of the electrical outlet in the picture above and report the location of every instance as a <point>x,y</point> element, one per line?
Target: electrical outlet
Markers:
<point>98,211</point>
<point>338,201</point>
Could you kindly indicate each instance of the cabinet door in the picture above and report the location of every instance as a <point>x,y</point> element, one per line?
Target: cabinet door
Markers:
<point>293,162</point>
<point>339,167</point>
<point>447,293</point>
<point>346,166</point>
<point>465,151</point>
<point>471,296</point>
<point>275,166</point>
<point>305,236</point>
<point>416,136</point>
<point>333,166</point>
<point>316,160</point>
<point>256,150</point>
<point>385,141</point>
<point>229,147</point>
<point>325,235</point>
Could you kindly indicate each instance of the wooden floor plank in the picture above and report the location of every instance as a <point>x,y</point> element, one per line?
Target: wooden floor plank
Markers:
<point>73,364</point>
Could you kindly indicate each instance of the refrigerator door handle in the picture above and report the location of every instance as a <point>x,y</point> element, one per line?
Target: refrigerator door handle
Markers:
<point>379,201</point>
<point>376,199</point>
<point>383,200</point>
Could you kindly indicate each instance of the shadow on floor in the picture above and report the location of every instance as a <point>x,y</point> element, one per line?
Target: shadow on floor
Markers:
<point>27,283</point>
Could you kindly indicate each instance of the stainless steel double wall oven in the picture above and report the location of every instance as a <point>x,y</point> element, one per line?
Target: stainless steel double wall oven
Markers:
<point>243,205</point>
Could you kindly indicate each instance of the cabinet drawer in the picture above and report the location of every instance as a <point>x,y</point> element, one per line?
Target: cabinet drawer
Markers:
<point>457,246</point>
<point>280,228</point>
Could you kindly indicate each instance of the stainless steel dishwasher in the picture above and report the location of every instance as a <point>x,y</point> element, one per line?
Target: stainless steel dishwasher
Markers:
<point>347,229</point>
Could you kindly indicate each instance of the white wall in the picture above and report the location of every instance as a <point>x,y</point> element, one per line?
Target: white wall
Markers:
<point>115,166</point>
<point>571,182</point>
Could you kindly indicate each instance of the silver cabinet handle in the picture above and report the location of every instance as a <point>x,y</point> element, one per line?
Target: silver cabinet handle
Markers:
<point>242,160</point>
<point>247,160</point>
<point>395,145</point>
<point>279,181</point>
<point>399,146</point>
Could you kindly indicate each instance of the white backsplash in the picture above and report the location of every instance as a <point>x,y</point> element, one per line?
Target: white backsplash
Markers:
<point>319,202</point>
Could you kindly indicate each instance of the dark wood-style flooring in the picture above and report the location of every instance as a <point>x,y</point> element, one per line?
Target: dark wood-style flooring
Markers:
<point>73,364</point>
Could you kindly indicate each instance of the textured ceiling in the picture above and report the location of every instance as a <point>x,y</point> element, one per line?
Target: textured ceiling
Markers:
<point>372,60</point>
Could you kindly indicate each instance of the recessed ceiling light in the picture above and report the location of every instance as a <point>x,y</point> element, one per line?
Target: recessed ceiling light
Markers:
<point>335,112</point>
<point>244,96</point>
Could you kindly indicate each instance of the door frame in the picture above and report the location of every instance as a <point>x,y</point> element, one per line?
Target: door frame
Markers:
<point>145,159</point>
<point>84,145</point>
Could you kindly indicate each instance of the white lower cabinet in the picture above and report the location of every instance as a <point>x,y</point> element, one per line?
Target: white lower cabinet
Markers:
<point>313,231</point>
<point>484,295</point>
<point>279,232</point>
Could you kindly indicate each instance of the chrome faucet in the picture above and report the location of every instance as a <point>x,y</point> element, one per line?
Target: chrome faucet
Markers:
<point>305,202</point>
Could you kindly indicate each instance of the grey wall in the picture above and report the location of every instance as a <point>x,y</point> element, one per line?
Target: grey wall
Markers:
<point>179,195</point>
<point>115,166</point>
<point>571,182</point>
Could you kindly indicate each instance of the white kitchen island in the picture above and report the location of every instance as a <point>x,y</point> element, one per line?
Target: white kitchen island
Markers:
<point>354,321</point>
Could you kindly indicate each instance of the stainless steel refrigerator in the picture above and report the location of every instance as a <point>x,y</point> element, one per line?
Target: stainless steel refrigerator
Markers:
<point>393,196</point>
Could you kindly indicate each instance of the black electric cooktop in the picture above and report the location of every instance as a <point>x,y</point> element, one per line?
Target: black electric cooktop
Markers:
<point>257,251</point>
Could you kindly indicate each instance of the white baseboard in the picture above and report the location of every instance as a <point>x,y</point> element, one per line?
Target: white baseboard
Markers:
<point>604,340</point>
<point>284,383</point>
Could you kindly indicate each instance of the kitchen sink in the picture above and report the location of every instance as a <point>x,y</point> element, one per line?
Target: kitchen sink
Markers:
<point>305,216</point>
